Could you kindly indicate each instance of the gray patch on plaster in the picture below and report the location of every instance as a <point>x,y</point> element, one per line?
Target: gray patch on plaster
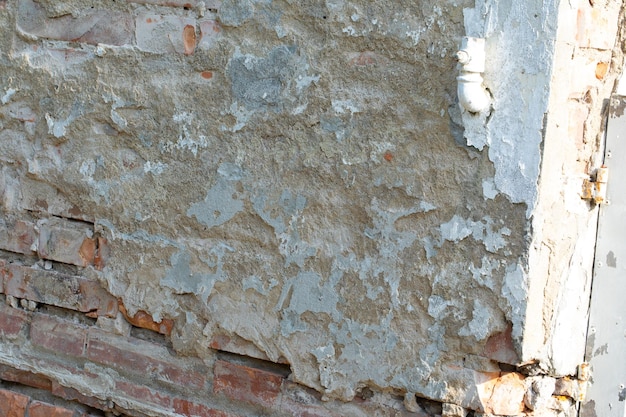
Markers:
<point>457,229</point>
<point>482,324</point>
<point>266,83</point>
<point>291,246</point>
<point>255,283</point>
<point>235,12</point>
<point>222,201</point>
<point>489,189</point>
<point>515,290</point>
<point>183,280</point>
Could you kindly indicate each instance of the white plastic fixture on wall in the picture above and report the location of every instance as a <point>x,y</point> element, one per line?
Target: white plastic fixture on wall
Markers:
<point>473,96</point>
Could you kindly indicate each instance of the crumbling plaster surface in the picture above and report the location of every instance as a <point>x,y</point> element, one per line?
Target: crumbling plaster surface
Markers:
<point>302,182</point>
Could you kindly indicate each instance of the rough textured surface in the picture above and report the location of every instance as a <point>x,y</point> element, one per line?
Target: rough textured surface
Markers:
<point>296,183</point>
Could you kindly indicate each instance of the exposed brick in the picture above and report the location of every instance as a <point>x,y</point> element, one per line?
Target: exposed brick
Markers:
<point>57,289</point>
<point>143,394</point>
<point>501,393</point>
<point>25,378</point>
<point>39,409</point>
<point>365,59</point>
<point>71,394</point>
<point>17,236</point>
<point>192,409</point>
<point>66,241</point>
<point>162,34</point>
<point>242,383</point>
<point>103,252</point>
<point>601,69</point>
<point>13,404</point>
<point>57,335</point>
<point>140,357</point>
<point>145,321</point>
<point>12,321</point>
<point>301,401</point>
<point>92,26</point>
<point>189,39</point>
<point>499,347</point>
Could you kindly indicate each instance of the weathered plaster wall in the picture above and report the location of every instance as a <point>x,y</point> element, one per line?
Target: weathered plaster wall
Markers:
<point>296,182</point>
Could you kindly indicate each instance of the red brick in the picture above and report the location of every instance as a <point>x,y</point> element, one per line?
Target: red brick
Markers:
<point>191,409</point>
<point>134,356</point>
<point>500,348</point>
<point>25,378</point>
<point>143,394</point>
<point>13,404</point>
<point>66,241</point>
<point>103,252</point>
<point>242,383</point>
<point>162,34</point>
<point>66,291</point>
<point>145,321</point>
<point>93,26</point>
<point>12,321</point>
<point>17,237</point>
<point>189,39</point>
<point>71,394</point>
<point>301,401</point>
<point>39,409</point>
<point>59,336</point>
<point>501,393</point>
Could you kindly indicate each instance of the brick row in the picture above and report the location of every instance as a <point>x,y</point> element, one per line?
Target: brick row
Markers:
<point>148,32</point>
<point>126,354</point>
<point>13,404</point>
<point>61,290</point>
<point>55,239</point>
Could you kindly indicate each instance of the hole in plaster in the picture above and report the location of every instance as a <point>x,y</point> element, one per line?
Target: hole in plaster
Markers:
<point>433,408</point>
<point>277,368</point>
<point>507,367</point>
<point>150,336</point>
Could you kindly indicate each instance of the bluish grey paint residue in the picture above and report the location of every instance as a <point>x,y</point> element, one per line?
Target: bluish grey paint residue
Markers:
<point>183,280</point>
<point>515,291</point>
<point>268,83</point>
<point>457,229</point>
<point>305,293</point>
<point>255,283</point>
<point>223,201</point>
<point>291,246</point>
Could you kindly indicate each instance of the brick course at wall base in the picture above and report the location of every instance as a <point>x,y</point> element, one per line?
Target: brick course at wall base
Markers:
<point>69,356</point>
<point>65,337</point>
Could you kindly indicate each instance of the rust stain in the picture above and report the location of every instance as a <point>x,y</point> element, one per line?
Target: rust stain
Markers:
<point>189,39</point>
<point>207,75</point>
<point>388,156</point>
